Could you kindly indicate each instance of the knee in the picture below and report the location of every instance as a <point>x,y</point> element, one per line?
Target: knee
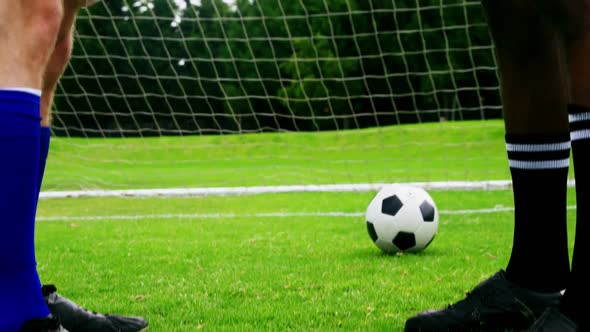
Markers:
<point>45,20</point>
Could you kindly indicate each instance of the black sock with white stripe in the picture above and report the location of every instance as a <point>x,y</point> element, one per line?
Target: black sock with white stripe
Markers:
<point>575,300</point>
<point>539,167</point>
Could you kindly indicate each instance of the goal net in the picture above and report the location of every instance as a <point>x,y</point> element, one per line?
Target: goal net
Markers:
<point>231,93</point>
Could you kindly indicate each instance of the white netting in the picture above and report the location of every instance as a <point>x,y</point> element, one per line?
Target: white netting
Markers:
<point>171,68</point>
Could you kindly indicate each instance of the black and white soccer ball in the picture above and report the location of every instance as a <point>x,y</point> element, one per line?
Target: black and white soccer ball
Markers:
<point>402,218</point>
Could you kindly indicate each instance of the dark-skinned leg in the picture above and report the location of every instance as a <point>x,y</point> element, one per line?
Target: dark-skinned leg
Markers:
<point>535,92</point>
<point>577,37</point>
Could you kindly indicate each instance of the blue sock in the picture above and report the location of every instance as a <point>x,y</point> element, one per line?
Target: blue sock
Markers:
<point>44,152</point>
<point>19,162</point>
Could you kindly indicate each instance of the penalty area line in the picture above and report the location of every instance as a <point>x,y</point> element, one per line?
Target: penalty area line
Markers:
<point>180,216</point>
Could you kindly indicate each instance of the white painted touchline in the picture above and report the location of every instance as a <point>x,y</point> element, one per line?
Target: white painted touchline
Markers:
<point>258,215</point>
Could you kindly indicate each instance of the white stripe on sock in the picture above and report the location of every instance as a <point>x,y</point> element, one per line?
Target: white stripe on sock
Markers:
<point>579,117</point>
<point>32,91</point>
<point>579,135</point>
<point>540,164</point>
<point>546,147</point>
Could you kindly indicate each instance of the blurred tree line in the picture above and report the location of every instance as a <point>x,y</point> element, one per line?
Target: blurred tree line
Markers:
<point>164,67</point>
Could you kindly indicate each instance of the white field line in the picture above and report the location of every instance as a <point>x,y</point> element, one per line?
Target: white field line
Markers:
<point>227,191</point>
<point>256,190</point>
<point>499,209</point>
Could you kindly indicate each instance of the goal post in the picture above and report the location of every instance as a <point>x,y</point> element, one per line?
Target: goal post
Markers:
<point>155,76</point>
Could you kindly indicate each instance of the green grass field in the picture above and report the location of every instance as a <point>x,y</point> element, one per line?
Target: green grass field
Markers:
<point>464,151</point>
<point>270,262</point>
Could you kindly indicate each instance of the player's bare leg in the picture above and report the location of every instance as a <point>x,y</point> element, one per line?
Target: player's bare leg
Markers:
<point>28,34</point>
<point>58,60</point>
<point>28,31</point>
<point>535,92</point>
<point>72,316</point>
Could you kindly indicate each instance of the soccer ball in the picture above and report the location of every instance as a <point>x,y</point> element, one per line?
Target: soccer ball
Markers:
<point>402,218</point>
